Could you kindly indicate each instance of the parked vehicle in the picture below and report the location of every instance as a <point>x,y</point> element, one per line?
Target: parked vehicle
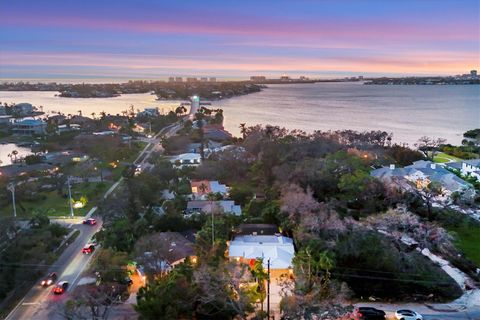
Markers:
<point>126,281</point>
<point>49,279</point>
<point>61,287</point>
<point>405,314</point>
<point>370,313</point>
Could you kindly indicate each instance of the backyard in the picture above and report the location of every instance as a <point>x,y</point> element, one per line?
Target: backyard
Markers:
<point>55,204</point>
<point>468,240</point>
<point>443,157</point>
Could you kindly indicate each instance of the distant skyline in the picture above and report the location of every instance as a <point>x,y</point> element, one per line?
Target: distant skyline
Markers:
<point>118,40</point>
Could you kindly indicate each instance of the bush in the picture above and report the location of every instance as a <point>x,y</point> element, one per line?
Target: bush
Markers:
<point>372,265</point>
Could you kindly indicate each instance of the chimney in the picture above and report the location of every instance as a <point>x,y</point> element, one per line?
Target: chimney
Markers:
<point>433,166</point>
<point>392,167</point>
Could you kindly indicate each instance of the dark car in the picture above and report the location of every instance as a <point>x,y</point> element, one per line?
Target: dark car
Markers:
<point>90,221</point>
<point>369,313</point>
<point>49,279</point>
<point>61,287</point>
<point>88,249</point>
<point>126,281</point>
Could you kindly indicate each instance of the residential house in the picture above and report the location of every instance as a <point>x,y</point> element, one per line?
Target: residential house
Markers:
<point>165,251</point>
<point>67,128</point>
<point>11,171</point>
<point>466,167</point>
<point>216,132</point>
<point>29,127</point>
<point>23,109</point>
<point>201,189</point>
<point>207,206</point>
<point>420,174</point>
<point>274,250</point>
<point>186,159</point>
<point>257,229</point>
<point>5,120</point>
<point>149,112</point>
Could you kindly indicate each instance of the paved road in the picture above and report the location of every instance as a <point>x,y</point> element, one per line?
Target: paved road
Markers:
<point>40,303</point>
<point>439,311</point>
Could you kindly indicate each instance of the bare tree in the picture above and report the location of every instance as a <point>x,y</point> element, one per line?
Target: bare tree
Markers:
<point>429,145</point>
<point>92,302</point>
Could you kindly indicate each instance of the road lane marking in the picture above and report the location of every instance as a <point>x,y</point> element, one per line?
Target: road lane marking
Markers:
<point>30,303</point>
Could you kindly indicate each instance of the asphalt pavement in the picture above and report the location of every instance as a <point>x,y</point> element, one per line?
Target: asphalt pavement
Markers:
<point>40,302</point>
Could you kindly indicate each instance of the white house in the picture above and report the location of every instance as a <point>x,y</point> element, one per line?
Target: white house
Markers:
<point>471,167</point>
<point>276,248</point>
<point>65,128</point>
<point>187,159</point>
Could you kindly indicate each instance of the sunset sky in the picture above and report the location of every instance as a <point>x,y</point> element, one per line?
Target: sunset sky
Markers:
<point>105,39</point>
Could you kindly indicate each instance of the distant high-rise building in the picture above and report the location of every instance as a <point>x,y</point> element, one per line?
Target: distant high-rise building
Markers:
<point>191,79</point>
<point>473,73</point>
<point>171,79</point>
<point>203,79</point>
<point>360,77</point>
<point>178,79</point>
<point>258,78</point>
<point>213,79</point>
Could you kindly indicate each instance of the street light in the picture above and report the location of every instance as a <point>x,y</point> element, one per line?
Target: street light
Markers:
<point>70,197</point>
<point>11,187</point>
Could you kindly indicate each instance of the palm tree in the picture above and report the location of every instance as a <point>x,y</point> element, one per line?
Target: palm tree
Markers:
<point>93,115</point>
<point>79,112</point>
<point>14,155</point>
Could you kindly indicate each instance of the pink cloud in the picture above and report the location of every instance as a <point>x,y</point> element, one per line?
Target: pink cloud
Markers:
<point>420,63</point>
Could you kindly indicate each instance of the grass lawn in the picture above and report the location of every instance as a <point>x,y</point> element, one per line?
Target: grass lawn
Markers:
<point>443,157</point>
<point>467,238</point>
<point>57,205</point>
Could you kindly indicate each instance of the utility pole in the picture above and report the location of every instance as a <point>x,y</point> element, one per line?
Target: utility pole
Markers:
<point>213,232</point>
<point>268,289</point>
<point>11,188</point>
<point>70,197</point>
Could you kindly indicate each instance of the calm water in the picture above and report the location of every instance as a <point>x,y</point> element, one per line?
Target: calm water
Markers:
<point>6,149</point>
<point>52,103</point>
<point>408,111</point>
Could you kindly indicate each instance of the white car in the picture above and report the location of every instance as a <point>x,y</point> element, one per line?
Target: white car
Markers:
<point>405,314</point>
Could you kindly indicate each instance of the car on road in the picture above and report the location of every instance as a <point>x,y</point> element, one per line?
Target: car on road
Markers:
<point>370,313</point>
<point>88,249</point>
<point>90,221</point>
<point>61,287</point>
<point>126,281</point>
<point>49,279</point>
<point>405,314</point>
